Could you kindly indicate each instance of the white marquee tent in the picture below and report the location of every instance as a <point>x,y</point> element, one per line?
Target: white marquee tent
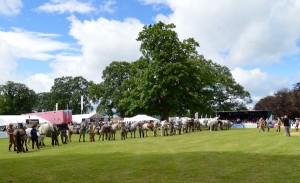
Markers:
<point>2,122</point>
<point>77,118</point>
<point>140,117</point>
<point>6,119</point>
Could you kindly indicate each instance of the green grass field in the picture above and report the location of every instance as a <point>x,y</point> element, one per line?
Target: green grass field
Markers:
<point>237,155</point>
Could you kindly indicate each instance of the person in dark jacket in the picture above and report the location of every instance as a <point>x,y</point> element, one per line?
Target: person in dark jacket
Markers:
<point>286,124</point>
<point>34,137</point>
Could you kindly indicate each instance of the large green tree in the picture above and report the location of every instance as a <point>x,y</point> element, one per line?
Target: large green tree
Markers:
<point>227,94</point>
<point>164,86</point>
<point>44,102</point>
<point>109,92</point>
<point>4,106</point>
<point>67,92</point>
<point>18,98</point>
<point>175,79</point>
<point>169,79</point>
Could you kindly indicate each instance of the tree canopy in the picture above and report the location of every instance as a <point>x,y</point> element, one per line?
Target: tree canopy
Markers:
<point>109,92</point>
<point>17,98</point>
<point>169,79</point>
<point>67,92</point>
<point>283,102</point>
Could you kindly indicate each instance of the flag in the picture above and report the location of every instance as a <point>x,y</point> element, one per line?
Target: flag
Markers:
<point>196,115</point>
<point>67,111</point>
<point>269,119</point>
<point>81,103</point>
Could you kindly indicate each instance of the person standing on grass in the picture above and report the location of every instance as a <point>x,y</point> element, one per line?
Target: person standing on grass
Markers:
<point>286,123</point>
<point>261,124</point>
<point>297,124</point>
<point>34,137</point>
<point>278,124</point>
<point>92,133</point>
<point>11,140</point>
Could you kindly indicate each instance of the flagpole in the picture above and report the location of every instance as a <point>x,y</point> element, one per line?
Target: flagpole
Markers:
<point>81,104</point>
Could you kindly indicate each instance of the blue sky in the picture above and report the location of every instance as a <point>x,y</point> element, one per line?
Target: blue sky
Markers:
<point>42,40</point>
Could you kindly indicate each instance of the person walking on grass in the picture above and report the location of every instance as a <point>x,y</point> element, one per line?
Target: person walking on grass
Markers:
<point>11,140</point>
<point>297,124</point>
<point>278,124</point>
<point>92,133</point>
<point>286,124</point>
<point>261,123</point>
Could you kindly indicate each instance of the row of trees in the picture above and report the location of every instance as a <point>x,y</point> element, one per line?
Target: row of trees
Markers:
<point>170,79</point>
<point>17,98</point>
<point>283,102</point>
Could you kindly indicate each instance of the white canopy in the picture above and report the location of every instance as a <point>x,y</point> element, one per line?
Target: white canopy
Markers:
<point>77,118</point>
<point>2,122</point>
<point>6,119</point>
<point>140,117</point>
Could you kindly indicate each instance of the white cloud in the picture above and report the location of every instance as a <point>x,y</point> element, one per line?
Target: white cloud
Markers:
<point>18,44</point>
<point>252,32</point>
<point>10,7</point>
<point>108,6</point>
<point>102,41</point>
<point>7,61</point>
<point>70,6</point>
<point>39,82</point>
<point>31,44</point>
<point>258,82</point>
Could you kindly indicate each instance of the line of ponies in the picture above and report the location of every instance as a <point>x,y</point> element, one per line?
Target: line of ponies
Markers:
<point>107,130</point>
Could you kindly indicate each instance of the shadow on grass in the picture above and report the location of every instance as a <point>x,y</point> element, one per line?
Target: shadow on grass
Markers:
<point>175,167</point>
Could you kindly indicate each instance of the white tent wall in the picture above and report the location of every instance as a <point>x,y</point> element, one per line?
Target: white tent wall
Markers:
<point>6,119</point>
<point>140,117</point>
<point>2,122</point>
<point>77,118</point>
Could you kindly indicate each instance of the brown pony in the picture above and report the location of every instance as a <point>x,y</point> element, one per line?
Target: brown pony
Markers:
<point>54,135</point>
<point>146,127</point>
<point>20,138</point>
<point>105,131</point>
